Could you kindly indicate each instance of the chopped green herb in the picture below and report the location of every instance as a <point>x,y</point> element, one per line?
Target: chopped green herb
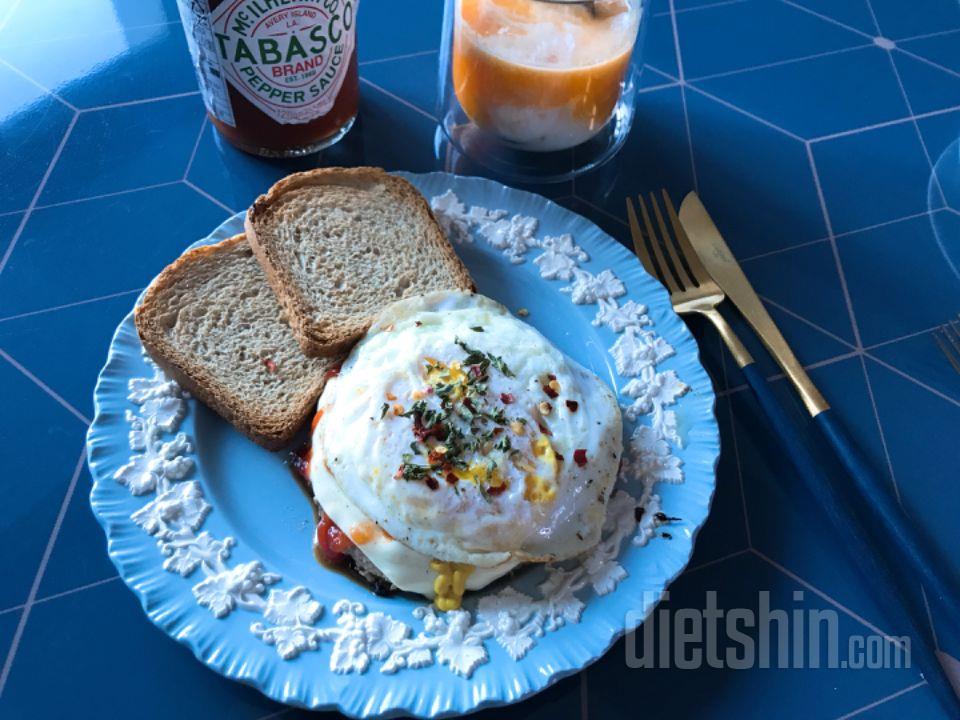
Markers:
<point>477,328</point>
<point>383,410</point>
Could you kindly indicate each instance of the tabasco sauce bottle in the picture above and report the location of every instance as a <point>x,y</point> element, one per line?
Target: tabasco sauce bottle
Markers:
<point>279,77</point>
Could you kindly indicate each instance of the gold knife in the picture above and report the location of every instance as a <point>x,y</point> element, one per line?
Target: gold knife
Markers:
<point>725,270</point>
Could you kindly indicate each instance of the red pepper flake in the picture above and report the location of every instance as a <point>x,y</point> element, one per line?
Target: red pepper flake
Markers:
<point>332,372</point>
<point>428,389</point>
<point>270,365</point>
<point>560,457</point>
<point>494,491</point>
<point>417,323</point>
<point>399,473</point>
<point>572,405</point>
<point>551,393</point>
<point>544,429</point>
<point>506,398</point>
<point>476,371</point>
<point>580,457</point>
<point>432,483</point>
<point>451,478</point>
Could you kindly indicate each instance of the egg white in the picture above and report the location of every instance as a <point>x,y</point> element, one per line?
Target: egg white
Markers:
<point>357,447</point>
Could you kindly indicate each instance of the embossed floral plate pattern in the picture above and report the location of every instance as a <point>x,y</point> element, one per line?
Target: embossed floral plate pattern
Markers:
<point>214,536</point>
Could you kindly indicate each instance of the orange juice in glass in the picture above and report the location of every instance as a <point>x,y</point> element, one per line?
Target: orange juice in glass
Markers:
<point>540,76</point>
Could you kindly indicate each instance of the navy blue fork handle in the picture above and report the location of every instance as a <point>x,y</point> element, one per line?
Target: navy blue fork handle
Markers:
<point>890,518</point>
<point>878,572</point>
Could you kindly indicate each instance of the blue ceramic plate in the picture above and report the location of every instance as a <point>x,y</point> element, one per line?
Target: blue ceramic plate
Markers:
<point>214,536</point>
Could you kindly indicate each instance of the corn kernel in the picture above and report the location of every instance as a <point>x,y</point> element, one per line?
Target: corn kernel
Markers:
<point>518,427</point>
<point>545,408</point>
<point>398,409</point>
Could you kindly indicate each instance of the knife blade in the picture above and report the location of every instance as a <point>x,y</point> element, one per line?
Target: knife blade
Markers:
<point>725,270</point>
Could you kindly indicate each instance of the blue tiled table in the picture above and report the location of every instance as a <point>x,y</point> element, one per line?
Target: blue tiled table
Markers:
<point>816,132</point>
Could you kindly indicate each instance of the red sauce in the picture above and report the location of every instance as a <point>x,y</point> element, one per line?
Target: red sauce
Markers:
<point>332,542</point>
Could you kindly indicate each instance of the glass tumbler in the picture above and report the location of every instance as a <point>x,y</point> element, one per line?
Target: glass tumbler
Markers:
<point>539,90</point>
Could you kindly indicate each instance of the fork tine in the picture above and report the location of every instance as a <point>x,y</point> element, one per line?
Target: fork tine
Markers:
<point>679,270</point>
<point>700,273</point>
<point>666,277</point>
<point>639,247</point>
<point>952,333</point>
<point>952,356</point>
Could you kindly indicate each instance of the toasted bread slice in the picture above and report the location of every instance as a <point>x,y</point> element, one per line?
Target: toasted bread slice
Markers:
<point>211,321</point>
<point>338,245</point>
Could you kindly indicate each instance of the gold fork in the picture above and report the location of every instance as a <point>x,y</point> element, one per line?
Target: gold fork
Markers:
<point>691,288</point>
<point>948,338</point>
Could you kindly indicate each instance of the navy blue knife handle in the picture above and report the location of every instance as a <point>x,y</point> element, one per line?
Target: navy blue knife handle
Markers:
<point>888,516</point>
<point>877,571</point>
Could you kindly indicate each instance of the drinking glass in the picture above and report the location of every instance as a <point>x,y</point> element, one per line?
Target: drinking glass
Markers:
<point>539,90</point>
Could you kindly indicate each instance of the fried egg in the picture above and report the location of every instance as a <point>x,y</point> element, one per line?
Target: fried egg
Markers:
<point>458,442</point>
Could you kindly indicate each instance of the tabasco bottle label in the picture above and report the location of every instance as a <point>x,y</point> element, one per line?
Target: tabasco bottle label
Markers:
<point>287,57</point>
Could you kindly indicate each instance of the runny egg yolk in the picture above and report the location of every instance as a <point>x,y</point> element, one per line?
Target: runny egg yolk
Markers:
<point>450,583</point>
<point>439,373</point>
<point>479,473</point>
<point>537,488</point>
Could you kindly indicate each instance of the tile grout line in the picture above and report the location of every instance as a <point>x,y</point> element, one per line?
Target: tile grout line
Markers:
<point>44,311</point>
<point>891,475</point>
<point>407,56</point>
<point>103,196</point>
<point>822,595</point>
<point>717,561</point>
<point>881,701</point>
<point>885,223</point>
<point>779,63</point>
<point>925,331</point>
<point>827,19</point>
<point>746,113</point>
<point>912,379</point>
<point>64,593</point>
<point>208,196</point>
<point>405,103</point>
<point>142,101</point>
<point>780,251</point>
<point>66,103</point>
<point>927,61</point>
<point>924,36</point>
<point>88,35</point>
<point>41,570</point>
<point>196,146</point>
<point>833,246</point>
<point>906,99</point>
<point>708,6</point>
<point>36,196</point>
<point>884,124</point>
<point>683,92</point>
<point>933,627</point>
<point>797,316</point>
<point>46,388</point>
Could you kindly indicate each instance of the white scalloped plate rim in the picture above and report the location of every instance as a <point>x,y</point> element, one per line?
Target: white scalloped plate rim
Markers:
<point>168,603</point>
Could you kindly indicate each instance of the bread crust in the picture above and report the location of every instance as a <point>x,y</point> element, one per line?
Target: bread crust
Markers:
<point>270,432</point>
<point>317,339</point>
